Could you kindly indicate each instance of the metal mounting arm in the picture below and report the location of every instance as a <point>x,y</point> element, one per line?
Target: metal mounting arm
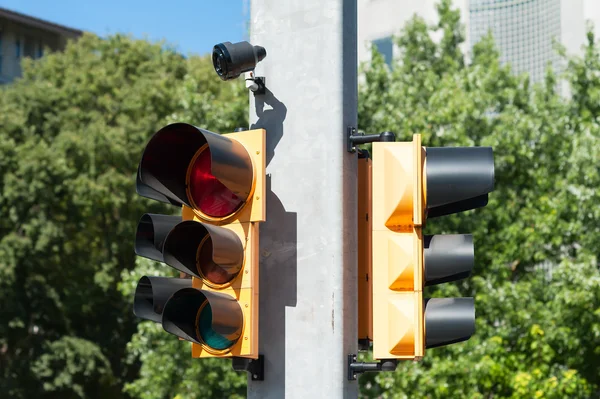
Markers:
<point>355,367</point>
<point>354,139</point>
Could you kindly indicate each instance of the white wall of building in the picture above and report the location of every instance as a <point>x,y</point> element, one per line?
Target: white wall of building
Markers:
<point>591,12</point>
<point>380,19</point>
<point>573,30</point>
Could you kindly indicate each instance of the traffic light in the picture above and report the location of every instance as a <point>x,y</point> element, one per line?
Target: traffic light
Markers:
<point>219,182</point>
<point>412,183</point>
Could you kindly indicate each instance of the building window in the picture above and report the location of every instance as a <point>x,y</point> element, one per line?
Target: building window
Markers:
<point>40,50</point>
<point>29,47</point>
<point>1,43</point>
<point>18,48</point>
<point>386,47</point>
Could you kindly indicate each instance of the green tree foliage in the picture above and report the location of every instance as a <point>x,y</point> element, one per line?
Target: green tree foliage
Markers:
<point>536,282</point>
<point>71,134</point>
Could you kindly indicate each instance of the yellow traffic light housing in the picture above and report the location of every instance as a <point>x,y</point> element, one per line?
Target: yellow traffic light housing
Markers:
<point>398,185</point>
<point>219,181</point>
<point>412,183</point>
<point>398,200</point>
<point>243,287</point>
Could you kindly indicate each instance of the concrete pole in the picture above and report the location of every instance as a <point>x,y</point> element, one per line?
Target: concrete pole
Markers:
<point>308,262</point>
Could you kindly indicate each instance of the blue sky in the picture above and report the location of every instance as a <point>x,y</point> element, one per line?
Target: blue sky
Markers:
<point>192,26</point>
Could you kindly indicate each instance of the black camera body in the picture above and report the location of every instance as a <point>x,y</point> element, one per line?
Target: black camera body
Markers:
<point>232,59</point>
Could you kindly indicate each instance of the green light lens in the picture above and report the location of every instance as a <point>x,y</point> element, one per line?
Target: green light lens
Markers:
<point>209,336</point>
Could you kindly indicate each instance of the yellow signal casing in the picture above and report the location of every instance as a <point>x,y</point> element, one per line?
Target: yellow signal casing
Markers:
<point>398,329</point>
<point>245,223</point>
<point>244,288</point>
<point>398,192</point>
<point>254,210</point>
<point>365,220</point>
<point>398,213</point>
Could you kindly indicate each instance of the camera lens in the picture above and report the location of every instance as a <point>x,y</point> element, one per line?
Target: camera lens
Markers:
<point>219,62</point>
<point>219,67</point>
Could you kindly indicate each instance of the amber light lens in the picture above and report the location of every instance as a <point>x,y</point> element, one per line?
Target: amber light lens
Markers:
<point>209,269</point>
<point>207,193</point>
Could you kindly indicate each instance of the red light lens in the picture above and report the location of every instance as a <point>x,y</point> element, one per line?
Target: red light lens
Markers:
<point>207,193</point>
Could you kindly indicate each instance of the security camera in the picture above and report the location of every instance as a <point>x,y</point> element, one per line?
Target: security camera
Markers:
<point>232,59</point>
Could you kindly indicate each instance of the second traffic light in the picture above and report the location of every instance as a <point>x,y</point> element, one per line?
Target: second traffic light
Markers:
<point>412,183</point>
<point>218,181</point>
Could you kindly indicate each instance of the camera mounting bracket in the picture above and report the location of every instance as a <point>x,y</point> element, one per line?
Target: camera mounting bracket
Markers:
<point>255,84</point>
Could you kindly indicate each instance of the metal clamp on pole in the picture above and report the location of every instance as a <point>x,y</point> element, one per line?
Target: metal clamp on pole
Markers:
<point>354,139</point>
<point>355,367</point>
<point>256,367</point>
<point>256,84</point>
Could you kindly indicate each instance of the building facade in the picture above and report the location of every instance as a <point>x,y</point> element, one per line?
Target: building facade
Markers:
<point>524,30</point>
<point>380,20</point>
<point>24,36</point>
